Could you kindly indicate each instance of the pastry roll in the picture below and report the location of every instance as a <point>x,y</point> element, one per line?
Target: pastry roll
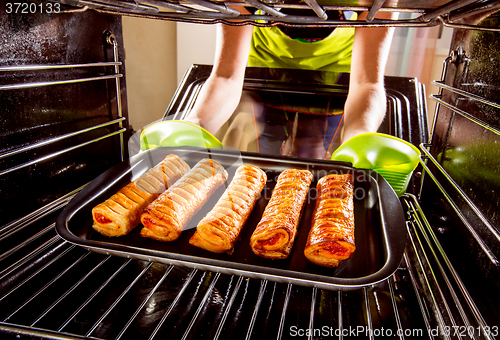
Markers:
<point>274,235</point>
<point>219,230</point>
<point>166,217</point>
<point>121,213</point>
<point>331,238</point>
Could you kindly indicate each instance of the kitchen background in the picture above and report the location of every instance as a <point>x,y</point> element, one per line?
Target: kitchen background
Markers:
<point>158,53</point>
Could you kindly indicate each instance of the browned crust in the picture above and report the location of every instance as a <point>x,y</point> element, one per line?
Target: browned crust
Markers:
<point>274,235</point>
<point>121,213</point>
<point>331,238</point>
<point>166,217</point>
<point>218,232</point>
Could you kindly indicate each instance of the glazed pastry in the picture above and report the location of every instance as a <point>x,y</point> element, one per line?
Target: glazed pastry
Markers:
<point>121,213</point>
<point>274,235</point>
<point>220,229</point>
<point>331,238</point>
<point>166,217</point>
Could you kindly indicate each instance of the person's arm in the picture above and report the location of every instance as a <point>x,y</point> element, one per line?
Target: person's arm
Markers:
<point>221,92</point>
<point>366,102</point>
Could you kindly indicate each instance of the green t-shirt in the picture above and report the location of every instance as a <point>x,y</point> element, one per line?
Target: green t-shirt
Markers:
<point>274,49</point>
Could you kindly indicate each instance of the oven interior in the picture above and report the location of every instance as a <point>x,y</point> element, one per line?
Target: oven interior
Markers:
<point>64,121</point>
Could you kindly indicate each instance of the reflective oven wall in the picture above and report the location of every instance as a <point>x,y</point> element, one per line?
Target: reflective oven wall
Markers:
<point>62,114</point>
<point>464,155</point>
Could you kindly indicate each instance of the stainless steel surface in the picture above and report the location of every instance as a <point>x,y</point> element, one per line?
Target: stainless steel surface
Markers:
<point>265,8</point>
<point>446,9</point>
<point>320,12</point>
<point>478,10</point>
<point>111,40</point>
<point>377,5</point>
<point>448,23</point>
<point>60,82</point>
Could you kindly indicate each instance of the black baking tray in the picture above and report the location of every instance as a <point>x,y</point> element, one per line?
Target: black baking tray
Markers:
<point>380,231</point>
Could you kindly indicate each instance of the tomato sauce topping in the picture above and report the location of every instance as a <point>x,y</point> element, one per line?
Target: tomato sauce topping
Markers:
<point>148,222</point>
<point>336,249</point>
<point>272,240</point>
<point>101,219</point>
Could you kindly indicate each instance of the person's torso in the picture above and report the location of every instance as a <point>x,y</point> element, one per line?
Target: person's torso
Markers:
<point>323,48</point>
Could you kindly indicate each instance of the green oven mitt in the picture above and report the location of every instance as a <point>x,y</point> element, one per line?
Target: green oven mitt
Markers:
<point>177,133</point>
<point>391,157</point>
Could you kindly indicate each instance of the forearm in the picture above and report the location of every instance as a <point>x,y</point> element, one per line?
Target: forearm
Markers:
<point>221,93</point>
<point>216,102</point>
<point>366,102</point>
<point>364,109</point>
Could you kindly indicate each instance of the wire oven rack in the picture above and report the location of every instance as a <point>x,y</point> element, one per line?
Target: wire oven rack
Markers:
<point>426,13</point>
<point>54,290</point>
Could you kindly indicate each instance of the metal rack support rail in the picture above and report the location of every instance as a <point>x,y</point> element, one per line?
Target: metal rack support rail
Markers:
<point>466,115</point>
<point>63,151</point>
<point>439,255</point>
<point>486,249</point>
<point>110,39</point>
<point>466,94</point>
<point>462,193</point>
<point>56,82</point>
<point>59,138</point>
<point>36,215</point>
<point>423,282</point>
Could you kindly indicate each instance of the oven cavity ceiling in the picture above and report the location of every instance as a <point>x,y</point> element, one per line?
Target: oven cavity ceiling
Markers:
<point>418,13</point>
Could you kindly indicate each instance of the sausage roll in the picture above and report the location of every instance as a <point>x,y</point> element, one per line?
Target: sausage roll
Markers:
<point>219,230</point>
<point>331,238</point>
<point>121,213</point>
<point>166,217</point>
<point>274,235</point>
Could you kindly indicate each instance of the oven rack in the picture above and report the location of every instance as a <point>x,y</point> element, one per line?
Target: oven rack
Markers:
<point>427,13</point>
<point>46,274</point>
<point>443,286</point>
<point>116,75</point>
<point>493,230</point>
<point>459,56</point>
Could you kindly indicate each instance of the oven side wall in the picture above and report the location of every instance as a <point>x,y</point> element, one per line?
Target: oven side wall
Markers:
<point>60,127</point>
<point>464,158</point>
